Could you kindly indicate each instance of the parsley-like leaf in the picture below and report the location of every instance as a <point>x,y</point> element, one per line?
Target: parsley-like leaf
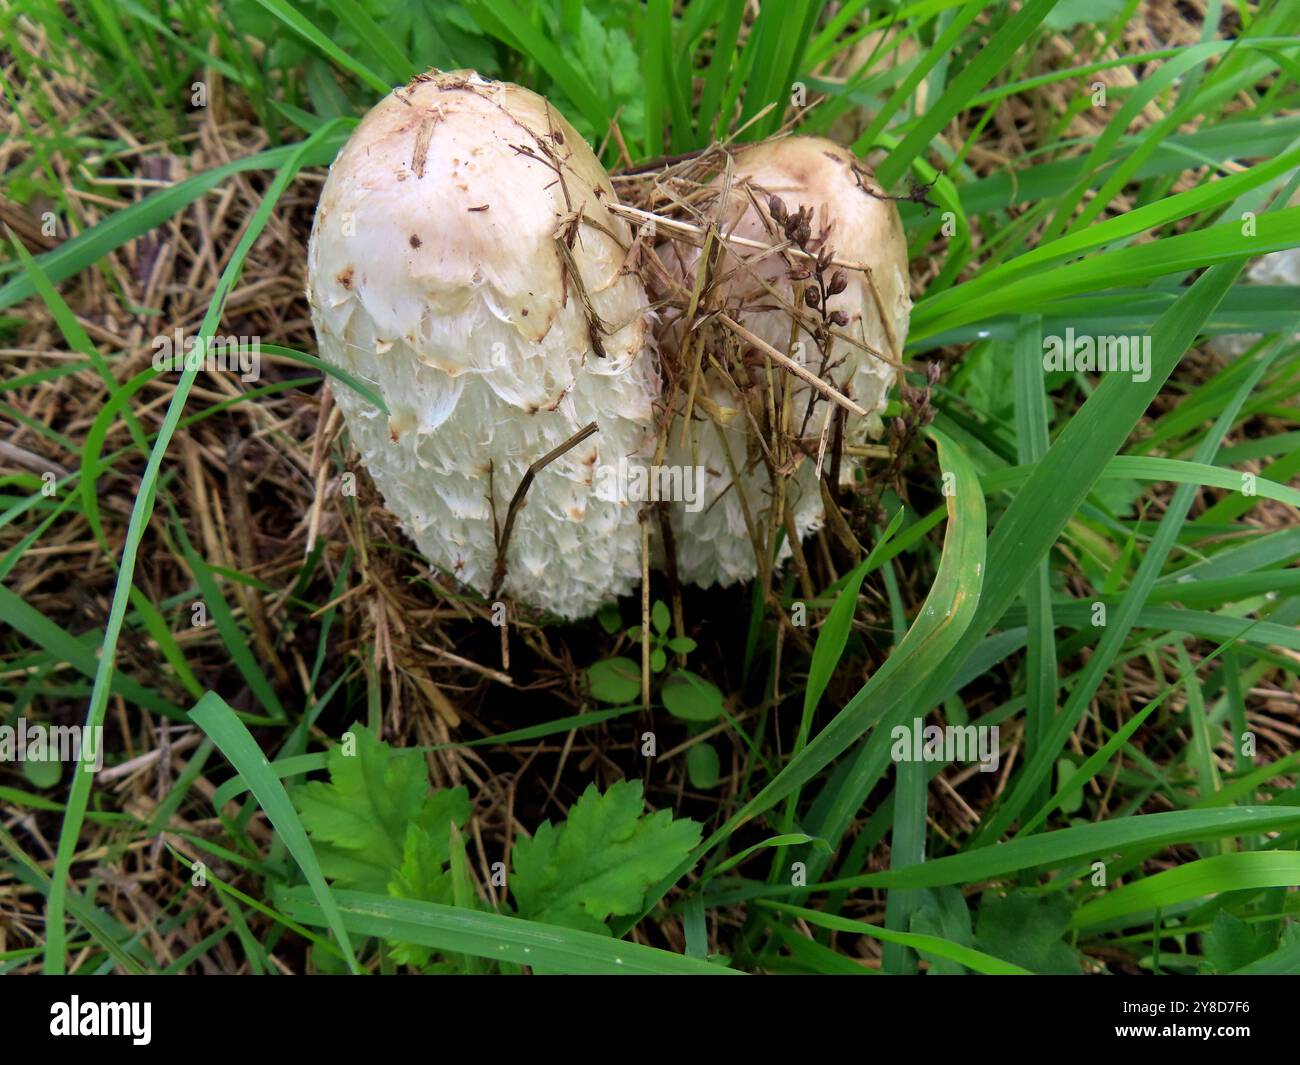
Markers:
<point>601,861</point>
<point>1028,930</point>
<point>359,821</point>
<point>377,827</point>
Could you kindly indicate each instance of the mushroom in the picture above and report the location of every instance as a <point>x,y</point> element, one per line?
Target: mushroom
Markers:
<point>463,263</point>
<point>850,282</point>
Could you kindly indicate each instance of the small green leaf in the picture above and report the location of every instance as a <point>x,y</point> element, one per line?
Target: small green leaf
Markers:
<point>691,697</point>
<point>703,766</point>
<point>614,680</point>
<point>43,772</point>
<point>682,645</point>
<point>660,617</point>
<point>658,660</point>
<point>609,618</point>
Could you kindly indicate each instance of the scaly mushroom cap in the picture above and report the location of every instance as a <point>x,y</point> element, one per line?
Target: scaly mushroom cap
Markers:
<point>852,217</point>
<point>435,275</point>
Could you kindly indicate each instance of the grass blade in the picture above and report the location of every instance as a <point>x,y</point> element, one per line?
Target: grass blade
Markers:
<point>494,936</point>
<point>1243,871</point>
<point>215,718</point>
<point>140,515</point>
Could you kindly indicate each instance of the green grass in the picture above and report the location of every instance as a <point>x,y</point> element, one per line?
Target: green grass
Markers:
<point>974,605</point>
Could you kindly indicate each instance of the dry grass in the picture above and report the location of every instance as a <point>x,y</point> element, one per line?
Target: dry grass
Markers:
<point>255,487</point>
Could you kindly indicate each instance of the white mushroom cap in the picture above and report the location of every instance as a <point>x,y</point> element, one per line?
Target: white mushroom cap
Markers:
<point>434,275</point>
<point>861,226</point>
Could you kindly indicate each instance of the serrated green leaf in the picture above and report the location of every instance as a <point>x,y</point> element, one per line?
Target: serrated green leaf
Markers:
<point>1231,943</point>
<point>376,826</point>
<point>360,820</point>
<point>1028,930</point>
<point>421,877</point>
<point>600,861</point>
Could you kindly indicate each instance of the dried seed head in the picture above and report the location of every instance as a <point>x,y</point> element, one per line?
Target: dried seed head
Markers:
<point>812,297</point>
<point>776,207</point>
<point>839,318</point>
<point>839,282</point>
